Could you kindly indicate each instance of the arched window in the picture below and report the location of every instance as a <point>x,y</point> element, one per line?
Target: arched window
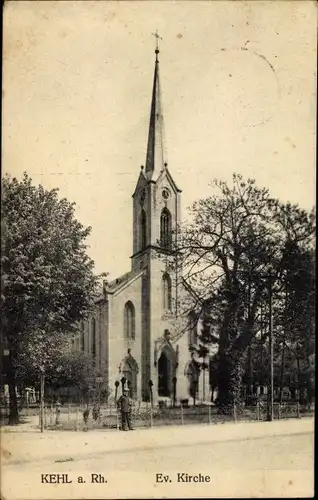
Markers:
<point>143,230</point>
<point>129,320</point>
<point>165,228</point>
<point>94,337</point>
<point>166,292</point>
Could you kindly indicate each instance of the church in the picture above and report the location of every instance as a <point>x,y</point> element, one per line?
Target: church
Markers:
<point>138,336</point>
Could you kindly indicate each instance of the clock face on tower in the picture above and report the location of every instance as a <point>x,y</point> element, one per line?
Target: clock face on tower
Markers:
<point>165,193</point>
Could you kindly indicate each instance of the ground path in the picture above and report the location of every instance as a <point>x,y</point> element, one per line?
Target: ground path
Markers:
<point>242,459</point>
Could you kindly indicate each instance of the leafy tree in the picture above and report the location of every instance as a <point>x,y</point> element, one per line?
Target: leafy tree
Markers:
<point>67,368</point>
<point>294,319</point>
<point>75,370</point>
<point>231,253</point>
<point>48,280</point>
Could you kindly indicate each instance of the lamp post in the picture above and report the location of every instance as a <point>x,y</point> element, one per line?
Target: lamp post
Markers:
<point>123,382</point>
<point>116,390</point>
<point>270,401</point>
<point>42,398</point>
<point>150,383</point>
<point>174,381</point>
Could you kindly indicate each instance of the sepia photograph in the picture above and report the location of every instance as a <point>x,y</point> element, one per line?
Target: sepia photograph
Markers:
<point>158,249</point>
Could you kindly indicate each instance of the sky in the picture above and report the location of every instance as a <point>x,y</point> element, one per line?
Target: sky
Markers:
<point>238,84</point>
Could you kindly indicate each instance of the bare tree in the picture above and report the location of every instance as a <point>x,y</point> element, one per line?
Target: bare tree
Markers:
<point>232,249</point>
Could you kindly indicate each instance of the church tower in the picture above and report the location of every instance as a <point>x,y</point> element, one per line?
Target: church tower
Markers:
<point>156,200</point>
<point>156,216</point>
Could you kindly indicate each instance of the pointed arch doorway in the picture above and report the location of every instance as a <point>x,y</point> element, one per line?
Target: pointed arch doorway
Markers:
<point>129,369</point>
<point>167,365</point>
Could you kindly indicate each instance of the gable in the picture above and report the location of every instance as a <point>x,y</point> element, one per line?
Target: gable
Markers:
<point>142,182</point>
<point>123,281</point>
<point>166,176</point>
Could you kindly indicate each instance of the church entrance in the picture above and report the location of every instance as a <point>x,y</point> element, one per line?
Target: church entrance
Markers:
<point>163,376</point>
<point>166,372</point>
<point>129,371</point>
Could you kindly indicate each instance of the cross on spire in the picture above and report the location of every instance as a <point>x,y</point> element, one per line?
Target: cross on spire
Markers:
<point>157,36</point>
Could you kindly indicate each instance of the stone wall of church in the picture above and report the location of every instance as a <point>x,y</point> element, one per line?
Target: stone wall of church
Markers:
<point>98,321</point>
<point>163,319</point>
<point>118,344</point>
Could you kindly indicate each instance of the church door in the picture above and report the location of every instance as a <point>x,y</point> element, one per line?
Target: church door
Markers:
<point>130,374</point>
<point>164,376</point>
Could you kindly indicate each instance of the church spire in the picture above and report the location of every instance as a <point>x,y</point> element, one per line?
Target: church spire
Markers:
<point>155,151</point>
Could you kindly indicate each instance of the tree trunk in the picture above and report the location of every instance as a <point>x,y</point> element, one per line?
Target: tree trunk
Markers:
<point>249,378</point>
<point>230,381</point>
<point>298,380</point>
<point>13,402</point>
<point>282,374</point>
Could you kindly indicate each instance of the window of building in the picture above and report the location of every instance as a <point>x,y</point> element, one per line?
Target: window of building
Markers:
<point>94,337</point>
<point>129,320</point>
<point>143,229</point>
<point>165,229</point>
<point>166,292</point>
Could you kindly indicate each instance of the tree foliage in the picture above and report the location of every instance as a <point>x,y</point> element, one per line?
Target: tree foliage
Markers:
<point>48,280</point>
<point>231,253</point>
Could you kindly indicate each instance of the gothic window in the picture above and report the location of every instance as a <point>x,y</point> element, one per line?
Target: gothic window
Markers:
<point>143,229</point>
<point>166,292</point>
<point>129,320</point>
<point>165,228</point>
<point>94,337</point>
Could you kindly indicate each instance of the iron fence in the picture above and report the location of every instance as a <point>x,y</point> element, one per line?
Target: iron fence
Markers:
<point>83,418</point>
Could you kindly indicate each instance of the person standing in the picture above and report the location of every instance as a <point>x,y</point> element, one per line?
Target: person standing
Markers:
<point>124,404</point>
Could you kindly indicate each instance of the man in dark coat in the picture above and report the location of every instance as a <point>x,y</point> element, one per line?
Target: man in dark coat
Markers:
<point>124,406</point>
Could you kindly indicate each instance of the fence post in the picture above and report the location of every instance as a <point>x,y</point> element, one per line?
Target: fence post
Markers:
<point>69,412</point>
<point>181,406</point>
<point>117,419</point>
<point>209,413</point>
<point>51,415</point>
<point>279,411</point>
<point>45,417</point>
<point>151,421</point>
<point>234,412</point>
<point>57,414</point>
<point>298,410</point>
<point>257,411</point>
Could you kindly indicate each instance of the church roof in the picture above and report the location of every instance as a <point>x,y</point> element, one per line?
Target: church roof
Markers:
<point>122,280</point>
<point>155,159</point>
